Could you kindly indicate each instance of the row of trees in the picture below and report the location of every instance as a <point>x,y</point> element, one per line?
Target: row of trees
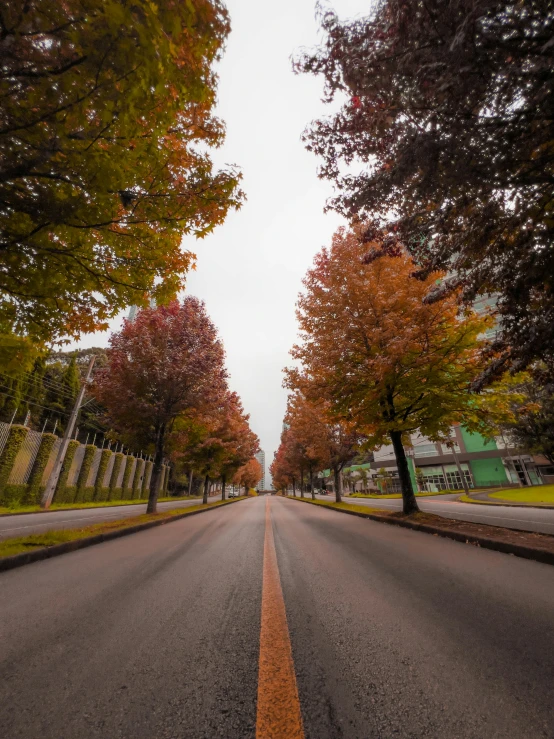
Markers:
<point>376,362</point>
<point>164,389</point>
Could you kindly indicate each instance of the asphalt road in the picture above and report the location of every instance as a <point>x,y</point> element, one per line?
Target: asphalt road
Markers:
<point>526,519</point>
<point>37,523</point>
<point>394,633</point>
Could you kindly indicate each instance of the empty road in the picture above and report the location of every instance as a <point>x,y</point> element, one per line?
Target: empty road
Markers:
<point>392,633</point>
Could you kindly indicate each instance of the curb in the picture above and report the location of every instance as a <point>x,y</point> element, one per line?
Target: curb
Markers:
<point>492,503</point>
<point>537,554</point>
<point>38,555</point>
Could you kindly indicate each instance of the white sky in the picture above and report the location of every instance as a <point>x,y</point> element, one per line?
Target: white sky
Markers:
<point>249,270</point>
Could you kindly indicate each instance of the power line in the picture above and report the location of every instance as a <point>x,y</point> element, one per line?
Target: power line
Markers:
<point>30,402</point>
<point>42,381</point>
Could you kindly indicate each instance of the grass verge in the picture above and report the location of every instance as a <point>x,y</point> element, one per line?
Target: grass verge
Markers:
<point>537,495</point>
<point>24,544</point>
<point>93,504</point>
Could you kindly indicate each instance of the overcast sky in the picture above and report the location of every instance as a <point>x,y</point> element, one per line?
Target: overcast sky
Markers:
<point>249,270</point>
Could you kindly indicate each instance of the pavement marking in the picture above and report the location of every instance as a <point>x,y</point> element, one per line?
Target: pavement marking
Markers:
<point>279,715</point>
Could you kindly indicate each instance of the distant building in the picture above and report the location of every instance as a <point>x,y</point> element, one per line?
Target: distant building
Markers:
<point>260,456</point>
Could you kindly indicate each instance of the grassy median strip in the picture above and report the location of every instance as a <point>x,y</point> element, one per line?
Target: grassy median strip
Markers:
<point>25,544</point>
<point>536,495</point>
<point>5,511</point>
<point>526,544</point>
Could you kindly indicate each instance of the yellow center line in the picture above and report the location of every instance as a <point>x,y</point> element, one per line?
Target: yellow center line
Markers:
<point>279,714</point>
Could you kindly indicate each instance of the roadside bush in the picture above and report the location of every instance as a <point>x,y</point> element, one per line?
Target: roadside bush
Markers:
<point>114,492</point>
<point>125,489</point>
<point>60,494</point>
<point>34,488</point>
<point>137,481</point>
<point>14,495</point>
<point>146,479</point>
<point>99,482</point>
<point>9,453</point>
<point>86,464</point>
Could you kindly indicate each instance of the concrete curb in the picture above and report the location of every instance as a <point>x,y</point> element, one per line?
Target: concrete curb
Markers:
<point>37,555</point>
<point>491,503</point>
<point>537,554</point>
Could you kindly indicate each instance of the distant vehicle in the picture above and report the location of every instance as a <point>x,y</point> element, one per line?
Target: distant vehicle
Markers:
<point>233,495</point>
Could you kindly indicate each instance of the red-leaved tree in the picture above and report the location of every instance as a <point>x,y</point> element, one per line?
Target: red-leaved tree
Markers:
<point>166,362</point>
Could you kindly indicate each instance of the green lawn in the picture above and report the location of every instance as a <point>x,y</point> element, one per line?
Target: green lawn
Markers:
<point>9,547</point>
<point>93,504</point>
<point>538,494</point>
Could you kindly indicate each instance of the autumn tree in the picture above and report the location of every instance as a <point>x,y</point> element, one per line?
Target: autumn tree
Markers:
<point>383,359</point>
<point>240,442</point>
<point>216,440</point>
<point>280,470</point>
<point>448,109</point>
<point>532,427</point>
<point>165,363</point>
<point>321,438</point>
<point>106,127</point>
<point>249,475</point>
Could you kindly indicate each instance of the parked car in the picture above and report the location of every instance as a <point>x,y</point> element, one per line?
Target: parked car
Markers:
<point>233,495</point>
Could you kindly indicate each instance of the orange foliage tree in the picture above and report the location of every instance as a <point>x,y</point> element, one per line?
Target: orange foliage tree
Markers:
<point>316,438</point>
<point>249,475</point>
<point>381,357</point>
<point>215,440</point>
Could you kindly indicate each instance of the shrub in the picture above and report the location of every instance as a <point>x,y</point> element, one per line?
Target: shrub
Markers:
<point>125,492</point>
<point>14,495</point>
<point>102,467</point>
<point>11,449</point>
<point>60,493</point>
<point>146,479</point>
<point>33,493</point>
<point>115,475</point>
<point>86,464</point>
<point>137,487</point>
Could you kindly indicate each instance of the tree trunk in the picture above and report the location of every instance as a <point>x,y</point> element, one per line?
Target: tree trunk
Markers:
<point>294,487</point>
<point>301,483</point>
<point>223,487</point>
<point>409,502</point>
<point>206,489</point>
<point>337,486</point>
<point>312,483</point>
<point>157,470</point>
<point>190,482</point>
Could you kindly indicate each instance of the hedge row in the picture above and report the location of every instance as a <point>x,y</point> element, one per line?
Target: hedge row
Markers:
<point>11,449</point>
<point>132,488</point>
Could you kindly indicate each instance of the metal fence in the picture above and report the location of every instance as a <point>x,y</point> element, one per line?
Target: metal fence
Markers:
<point>25,458</point>
<point>27,454</point>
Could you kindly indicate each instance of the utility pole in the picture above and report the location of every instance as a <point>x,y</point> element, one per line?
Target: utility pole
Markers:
<point>55,474</point>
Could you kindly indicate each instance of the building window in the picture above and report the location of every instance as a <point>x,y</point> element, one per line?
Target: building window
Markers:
<point>425,450</point>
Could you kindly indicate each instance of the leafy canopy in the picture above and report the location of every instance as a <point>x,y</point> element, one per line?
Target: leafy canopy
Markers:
<point>382,357</point>
<point>105,127</point>
<point>448,124</point>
